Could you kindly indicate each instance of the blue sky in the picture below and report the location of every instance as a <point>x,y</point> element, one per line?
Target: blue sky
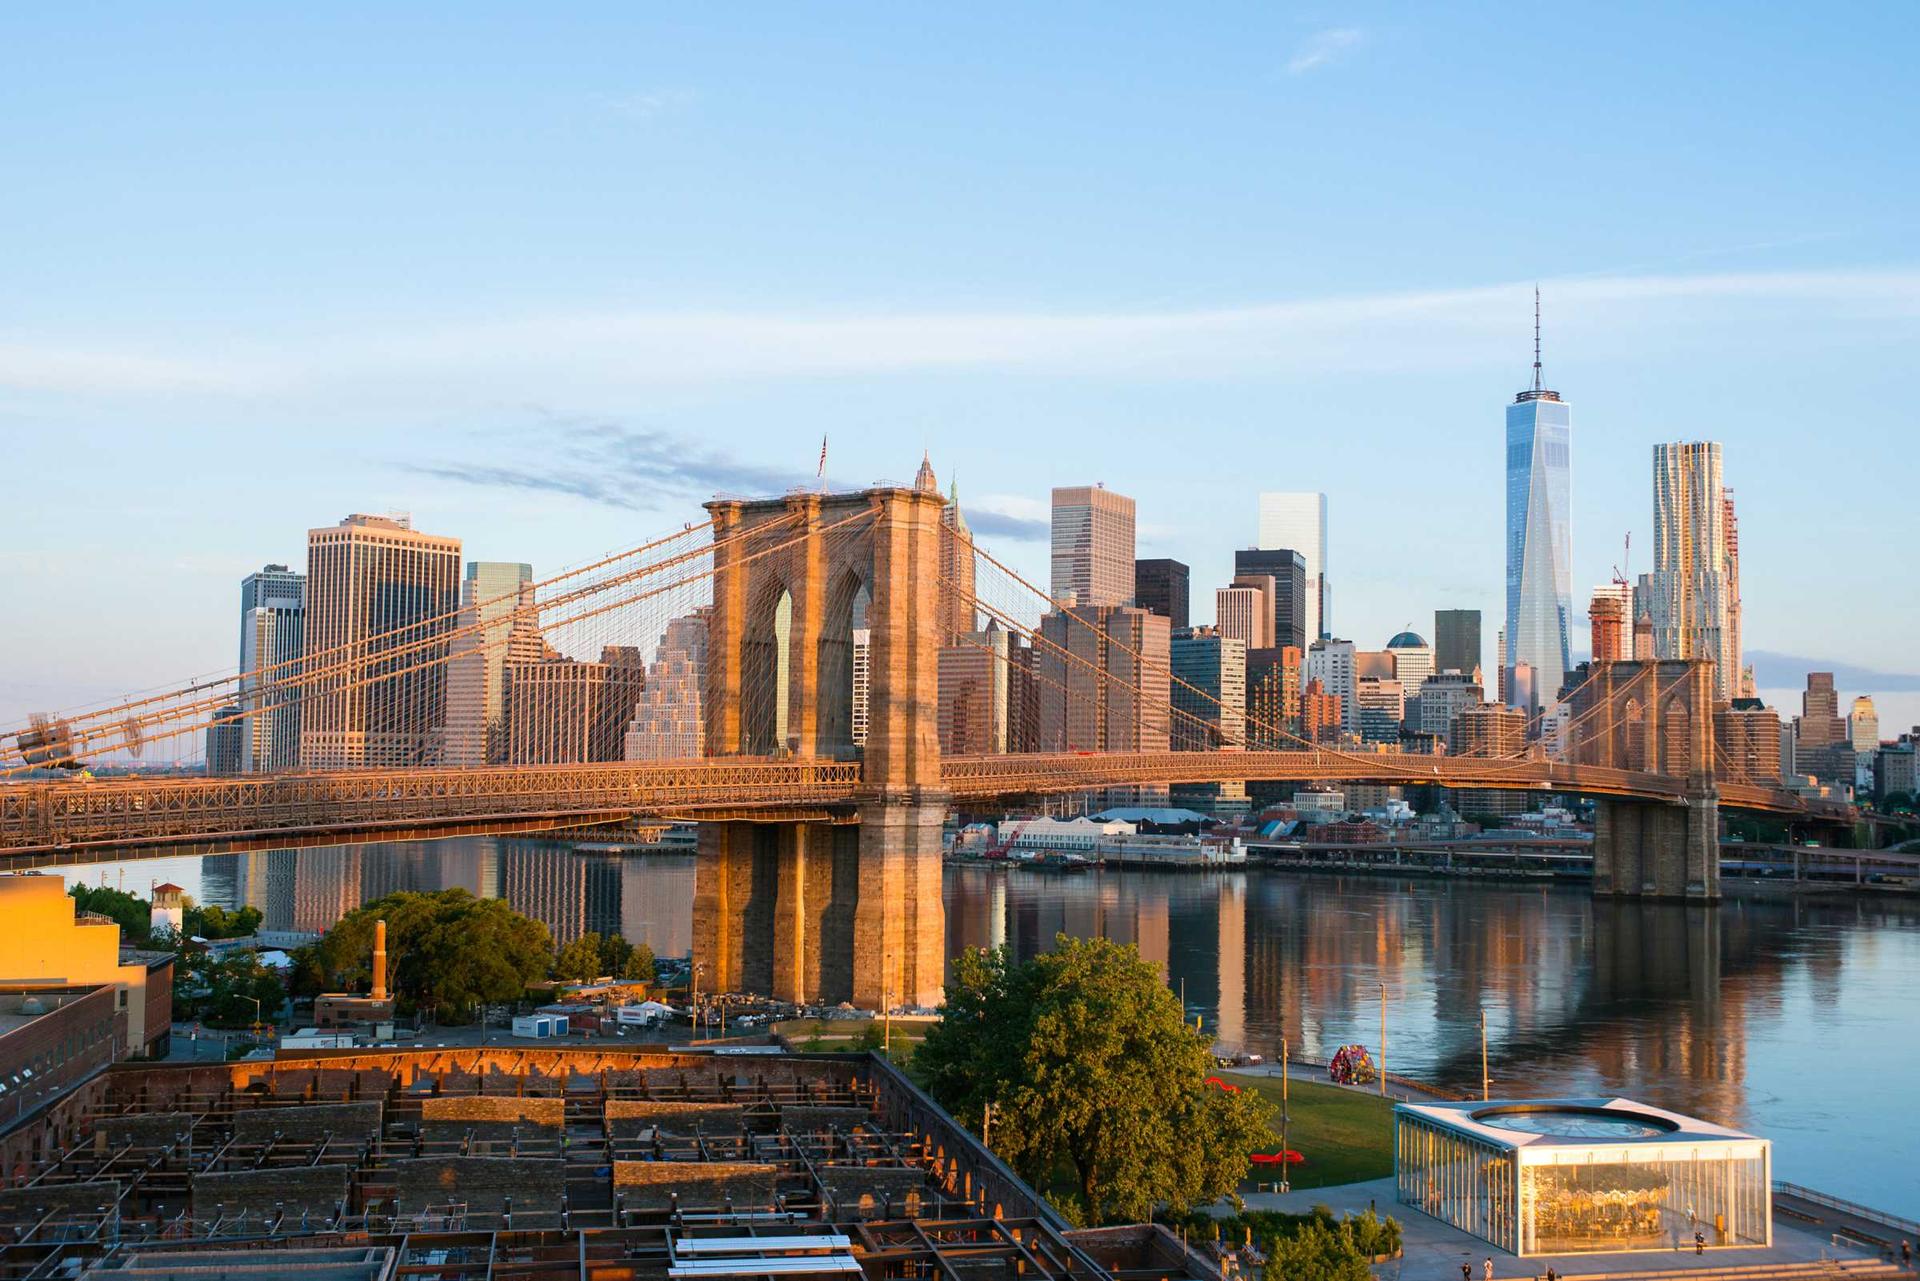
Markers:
<point>547,280</point>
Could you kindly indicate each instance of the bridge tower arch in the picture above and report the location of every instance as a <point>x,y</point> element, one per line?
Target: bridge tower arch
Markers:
<point>1654,717</point>
<point>828,907</point>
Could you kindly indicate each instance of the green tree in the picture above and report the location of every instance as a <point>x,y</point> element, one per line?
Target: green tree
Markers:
<point>211,921</point>
<point>579,961</point>
<point>1092,1071</point>
<point>222,990</point>
<point>1319,1251</point>
<point>448,951</point>
<point>134,915</point>
<point>638,967</point>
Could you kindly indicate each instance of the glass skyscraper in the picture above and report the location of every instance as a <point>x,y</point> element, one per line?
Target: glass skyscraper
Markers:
<point>1539,541</point>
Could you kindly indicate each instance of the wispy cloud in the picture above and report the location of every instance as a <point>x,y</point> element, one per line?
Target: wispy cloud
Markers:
<point>610,354</point>
<point>617,466</point>
<point>1325,47</point>
<point>649,104</point>
<point>1009,516</point>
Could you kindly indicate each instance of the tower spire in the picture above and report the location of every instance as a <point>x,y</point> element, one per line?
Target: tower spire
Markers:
<point>1537,385</point>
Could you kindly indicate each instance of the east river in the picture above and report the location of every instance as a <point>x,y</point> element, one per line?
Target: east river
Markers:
<point>1796,1019</point>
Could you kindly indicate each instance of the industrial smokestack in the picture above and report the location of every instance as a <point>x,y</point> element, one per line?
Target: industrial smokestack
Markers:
<point>379,960</point>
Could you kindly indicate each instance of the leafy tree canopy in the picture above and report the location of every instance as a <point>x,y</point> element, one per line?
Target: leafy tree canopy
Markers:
<point>638,965</point>
<point>579,961</point>
<point>134,915</point>
<point>1091,1070</point>
<point>446,950</point>
<point>211,921</point>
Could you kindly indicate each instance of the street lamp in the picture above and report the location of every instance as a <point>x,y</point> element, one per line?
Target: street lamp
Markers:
<point>1383,1040</point>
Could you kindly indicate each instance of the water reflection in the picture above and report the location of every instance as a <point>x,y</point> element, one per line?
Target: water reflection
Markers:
<point>644,898</point>
<point>1795,1018</point>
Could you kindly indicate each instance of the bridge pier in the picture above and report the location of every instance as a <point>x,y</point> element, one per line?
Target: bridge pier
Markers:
<point>1658,849</point>
<point>773,909</point>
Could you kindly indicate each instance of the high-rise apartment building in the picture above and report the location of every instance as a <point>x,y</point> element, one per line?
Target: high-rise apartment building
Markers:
<point>1686,599</point>
<point>1162,585</point>
<point>376,585</point>
<point>1320,713</point>
<point>1287,569</point>
<point>1539,537</point>
<point>1298,522</point>
<point>1730,639</point>
<point>1456,641</point>
<point>1610,621</point>
<point>1092,546</point>
<point>561,711</point>
<point>667,719</point>
<point>273,614</point>
<point>1331,663</point>
<point>494,596</point>
<point>1489,730</point>
<point>1244,611</point>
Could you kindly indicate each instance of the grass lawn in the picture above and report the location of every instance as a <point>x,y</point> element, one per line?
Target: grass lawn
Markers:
<point>1345,1136</point>
<point>843,1034</point>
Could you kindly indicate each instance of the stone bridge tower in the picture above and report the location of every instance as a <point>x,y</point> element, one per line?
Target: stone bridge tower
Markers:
<point>828,906</point>
<point>1657,718</point>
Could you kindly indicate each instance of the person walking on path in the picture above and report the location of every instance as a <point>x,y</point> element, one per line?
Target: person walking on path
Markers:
<point>1466,1271</point>
<point>1486,1269</point>
<point>1906,1254</point>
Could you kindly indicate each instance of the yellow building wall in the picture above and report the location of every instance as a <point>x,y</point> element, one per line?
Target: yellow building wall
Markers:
<point>41,942</point>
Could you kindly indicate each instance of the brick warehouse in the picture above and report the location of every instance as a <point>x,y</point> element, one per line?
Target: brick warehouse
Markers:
<point>539,1163</point>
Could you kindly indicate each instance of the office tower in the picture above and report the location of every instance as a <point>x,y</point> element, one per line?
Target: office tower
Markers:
<point>224,734</point>
<point>1161,586</point>
<point>1456,641</point>
<point>1320,713</point>
<point>1442,698</point>
<point>1209,691</point>
<point>979,678</point>
<point>1685,598</point>
<point>1412,661</point>
<point>1092,546</point>
<point>1110,690</point>
<point>273,613</point>
<point>956,560</point>
<point>376,584</point>
<point>1298,521</point>
<point>1863,725</point>
<point>561,711</point>
<point>494,597</point>
<point>1820,745</point>
<point>1610,618</point>
<point>1209,710</point>
<point>667,720</point>
<point>1273,697</point>
<point>1245,611</point>
<point>1381,706</point>
<point>1539,533</point>
<point>1291,595</point>
<point>1746,738</point>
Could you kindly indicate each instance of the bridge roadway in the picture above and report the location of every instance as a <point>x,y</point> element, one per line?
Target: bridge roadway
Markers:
<point>47,823</point>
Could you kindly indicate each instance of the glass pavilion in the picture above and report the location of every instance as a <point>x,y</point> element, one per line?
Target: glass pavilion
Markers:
<point>1583,1176</point>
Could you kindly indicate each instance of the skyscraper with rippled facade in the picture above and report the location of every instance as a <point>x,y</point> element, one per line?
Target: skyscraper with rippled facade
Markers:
<point>1539,537</point>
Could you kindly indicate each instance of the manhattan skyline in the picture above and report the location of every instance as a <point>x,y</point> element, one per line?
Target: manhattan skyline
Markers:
<point>546,311</point>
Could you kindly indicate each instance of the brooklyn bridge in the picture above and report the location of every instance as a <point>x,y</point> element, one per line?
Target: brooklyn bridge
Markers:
<point>820,790</point>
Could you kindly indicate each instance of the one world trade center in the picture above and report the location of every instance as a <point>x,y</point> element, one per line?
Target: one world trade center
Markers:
<point>1539,540</point>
